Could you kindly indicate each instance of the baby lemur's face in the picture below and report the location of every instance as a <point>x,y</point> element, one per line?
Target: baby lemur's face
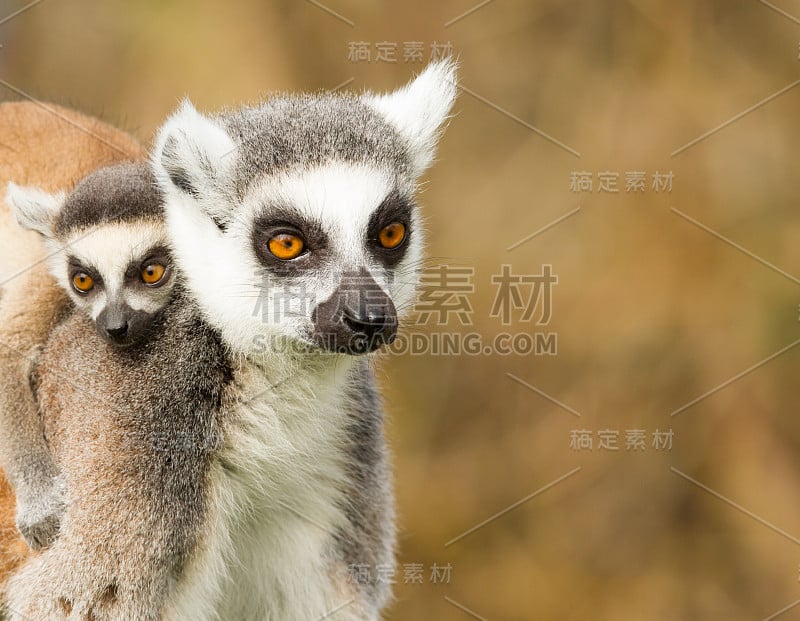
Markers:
<point>107,247</point>
<point>120,274</point>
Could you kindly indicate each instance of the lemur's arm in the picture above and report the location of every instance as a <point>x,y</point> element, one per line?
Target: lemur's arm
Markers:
<point>30,306</point>
<point>106,565</point>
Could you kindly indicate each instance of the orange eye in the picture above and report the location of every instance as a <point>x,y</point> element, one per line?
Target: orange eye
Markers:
<point>286,246</point>
<point>153,273</point>
<point>392,236</point>
<point>82,282</point>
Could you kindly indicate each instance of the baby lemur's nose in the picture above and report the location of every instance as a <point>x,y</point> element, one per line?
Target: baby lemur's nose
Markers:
<point>117,332</point>
<point>117,324</point>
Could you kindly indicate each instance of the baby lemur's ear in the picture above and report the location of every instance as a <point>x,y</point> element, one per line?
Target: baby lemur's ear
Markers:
<point>418,110</point>
<point>33,208</point>
<point>192,157</point>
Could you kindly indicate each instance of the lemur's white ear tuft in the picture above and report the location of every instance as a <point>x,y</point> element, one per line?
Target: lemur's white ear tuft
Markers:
<point>193,153</point>
<point>34,209</point>
<point>419,109</point>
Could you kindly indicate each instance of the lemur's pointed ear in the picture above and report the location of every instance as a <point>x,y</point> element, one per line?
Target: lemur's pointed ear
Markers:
<point>193,155</point>
<point>419,109</point>
<point>34,209</point>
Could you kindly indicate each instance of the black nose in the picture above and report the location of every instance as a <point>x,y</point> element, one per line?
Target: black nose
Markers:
<point>378,328</point>
<point>117,332</point>
<point>358,318</point>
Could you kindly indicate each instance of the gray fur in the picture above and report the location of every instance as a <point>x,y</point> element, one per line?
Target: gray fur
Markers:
<point>131,436</point>
<point>370,539</point>
<point>304,130</point>
<point>118,193</point>
<point>303,491</point>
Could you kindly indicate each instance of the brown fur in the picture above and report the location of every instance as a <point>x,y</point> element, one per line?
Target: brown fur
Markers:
<point>51,148</point>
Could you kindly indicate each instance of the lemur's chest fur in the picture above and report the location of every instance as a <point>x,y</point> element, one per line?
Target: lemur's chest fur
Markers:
<point>277,495</point>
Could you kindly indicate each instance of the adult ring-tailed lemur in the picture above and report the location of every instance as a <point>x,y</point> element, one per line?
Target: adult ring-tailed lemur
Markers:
<point>295,237</point>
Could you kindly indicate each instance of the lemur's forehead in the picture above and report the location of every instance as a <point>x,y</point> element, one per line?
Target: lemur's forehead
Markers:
<point>112,248</point>
<point>115,194</point>
<point>309,130</point>
<point>339,196</point>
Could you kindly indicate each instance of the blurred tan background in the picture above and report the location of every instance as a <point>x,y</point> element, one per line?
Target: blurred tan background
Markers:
<point>651,310</point>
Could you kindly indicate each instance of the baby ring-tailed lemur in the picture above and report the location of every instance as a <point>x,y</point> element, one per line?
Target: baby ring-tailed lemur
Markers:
<point>131,429</point>
<point>295,230</point>
<point>107,248</point>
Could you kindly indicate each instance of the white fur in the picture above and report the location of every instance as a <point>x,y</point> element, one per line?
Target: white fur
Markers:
<point>33,208</point>
<point>108,250</point>
<point>198,139</point>
<point>223,271</point>
<point>275,492</point>
<point>419,109</point>
<point>275,504</point>
<point>341,197</point>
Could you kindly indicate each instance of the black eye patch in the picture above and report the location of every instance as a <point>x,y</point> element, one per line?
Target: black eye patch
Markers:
<point>287,220</point>
<point>394,208</point>
<point>74,266</point>
<point>157,254</point>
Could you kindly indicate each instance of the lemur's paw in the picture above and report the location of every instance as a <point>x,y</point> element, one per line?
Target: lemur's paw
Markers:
<point>40,533</point>
<point>39,521</point>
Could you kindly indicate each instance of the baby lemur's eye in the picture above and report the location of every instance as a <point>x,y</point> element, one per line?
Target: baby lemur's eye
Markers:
<point>82,282</point>
<point>153,273</point>
<point>286,246</point>
<point>392,235</point>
